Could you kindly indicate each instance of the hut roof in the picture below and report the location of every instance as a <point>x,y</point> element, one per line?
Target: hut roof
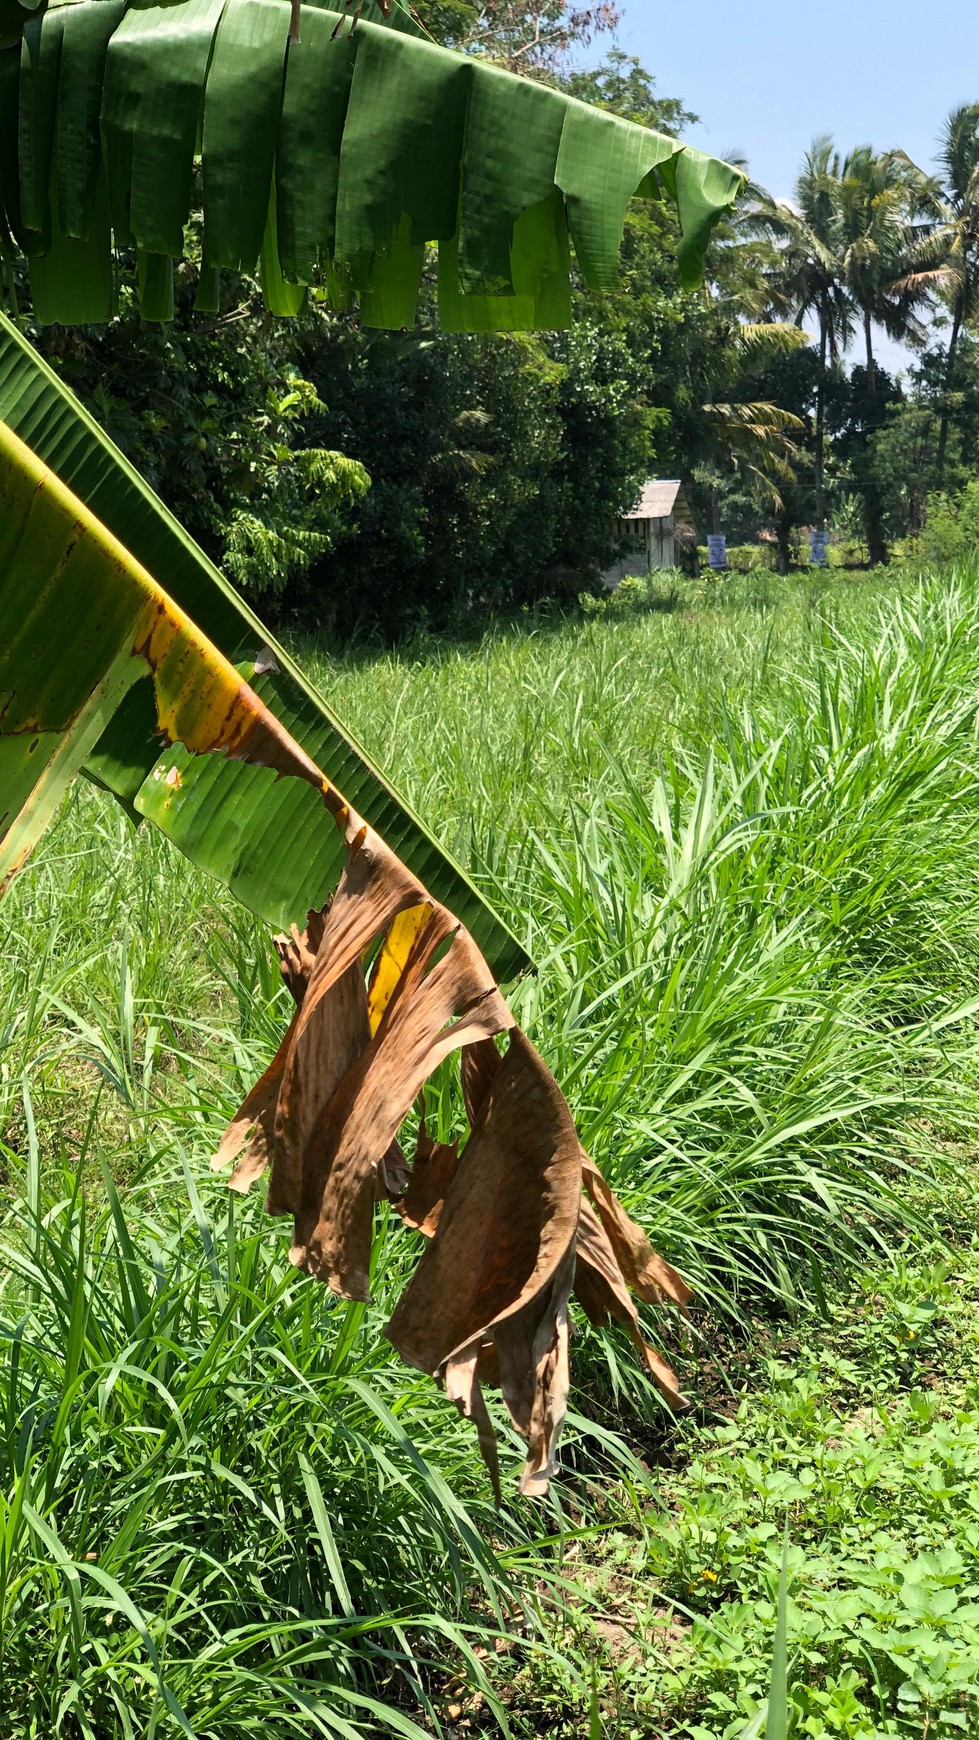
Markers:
<point>657,501</point>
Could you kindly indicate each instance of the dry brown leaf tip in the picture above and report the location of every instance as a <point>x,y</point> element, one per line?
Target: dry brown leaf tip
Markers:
<point>387,984</point>
<point>500,1265</point>
<point>603,1293</point>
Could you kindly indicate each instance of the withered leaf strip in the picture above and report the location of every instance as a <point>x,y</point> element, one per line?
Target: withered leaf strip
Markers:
<point>393,1173</point>
<point>515,1222</point>
<point>643,1269</point>
<point>297,953</point>
<point>433,1169</point>
<point>500,1265</point>
<point>248,1137</point>
<point>480,1063</point>
<point>601,1290</point>
<point>433,1011</point>
<point>333,1027</point>
<point>462,1387</point>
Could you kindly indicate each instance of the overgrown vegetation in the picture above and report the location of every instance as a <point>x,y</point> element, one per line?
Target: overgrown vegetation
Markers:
<point>860,1437</point>
<point>497,466</point>
<point>751,886</point>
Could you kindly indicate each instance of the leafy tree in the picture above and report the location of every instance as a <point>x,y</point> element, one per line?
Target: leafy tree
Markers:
<point>956,240</point>
<point>622,84</point>
<point>526,36</point>
<point>952,530</point>
<point>907,462</point>
<point>904,457</point>
<point>694,352</point>
<point>855,416</point>
<point>218,416</point>
<point>498,468</point>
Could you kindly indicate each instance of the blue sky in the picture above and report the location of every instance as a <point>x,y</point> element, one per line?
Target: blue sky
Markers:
<point>765,80</point>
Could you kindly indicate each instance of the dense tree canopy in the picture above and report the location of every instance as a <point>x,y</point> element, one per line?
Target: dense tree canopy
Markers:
<point>378,481</point>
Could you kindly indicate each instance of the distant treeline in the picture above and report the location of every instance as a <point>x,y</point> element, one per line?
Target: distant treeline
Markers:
<point>370,481</point>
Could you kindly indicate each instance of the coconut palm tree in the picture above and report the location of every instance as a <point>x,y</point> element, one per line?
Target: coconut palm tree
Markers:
<point>852,245</point>
<point>879,199</point>
<point>883,238</point>
<point>955,239</point>
<point>806,279</point>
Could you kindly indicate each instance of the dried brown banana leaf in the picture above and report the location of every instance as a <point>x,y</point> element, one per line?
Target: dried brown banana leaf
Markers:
<point>480,1064</point>
<point>601,1290</point>
<point>249,1134</point>
<point>432,1171</point>
<point>501,1263</point>
<point>515,1221</point>
<point>653,1279</point>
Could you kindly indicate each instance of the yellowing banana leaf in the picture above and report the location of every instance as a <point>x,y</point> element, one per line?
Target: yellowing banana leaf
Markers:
<point>346,151</point>
<point>269,842</point>
<point>82,622</point>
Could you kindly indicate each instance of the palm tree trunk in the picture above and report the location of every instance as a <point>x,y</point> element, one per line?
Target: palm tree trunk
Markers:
<point>873,515</point>
<point>871,365</point>
<point>953,341</point>
<point>821,418</point>
<point>918,484</point>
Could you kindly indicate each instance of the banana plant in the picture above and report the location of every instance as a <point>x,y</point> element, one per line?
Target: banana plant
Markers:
<point>336,155</point>
<point>387,984</point>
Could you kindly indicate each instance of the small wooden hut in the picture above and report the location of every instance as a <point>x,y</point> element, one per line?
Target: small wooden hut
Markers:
<point>660,521</point>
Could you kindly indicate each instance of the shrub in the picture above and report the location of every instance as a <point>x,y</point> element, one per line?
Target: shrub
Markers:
<point>952,525</point>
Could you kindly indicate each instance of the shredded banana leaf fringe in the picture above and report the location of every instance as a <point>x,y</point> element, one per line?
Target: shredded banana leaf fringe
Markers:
<point>333,160</point>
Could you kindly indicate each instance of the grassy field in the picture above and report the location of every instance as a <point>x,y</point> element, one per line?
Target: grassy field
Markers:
<point>740,837</point>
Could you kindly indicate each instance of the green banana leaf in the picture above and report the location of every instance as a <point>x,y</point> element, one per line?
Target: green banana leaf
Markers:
<point>338,158</point>
<point>335,159</point>
<point>271,842</point>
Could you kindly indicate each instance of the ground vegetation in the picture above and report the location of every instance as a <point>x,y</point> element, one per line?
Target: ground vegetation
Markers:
<point>750,887</point>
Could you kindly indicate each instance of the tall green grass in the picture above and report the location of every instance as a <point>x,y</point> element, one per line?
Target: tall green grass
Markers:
<point>742,847</point>
<point>220,1516</point>
<point>741,840</point>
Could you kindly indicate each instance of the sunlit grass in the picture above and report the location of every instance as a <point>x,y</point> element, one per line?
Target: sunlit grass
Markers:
<point>740,839</point>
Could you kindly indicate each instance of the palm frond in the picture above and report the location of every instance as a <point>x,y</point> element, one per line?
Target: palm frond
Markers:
<point>774,337</point>
<point>760,417</point>
<point>917,285</point>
